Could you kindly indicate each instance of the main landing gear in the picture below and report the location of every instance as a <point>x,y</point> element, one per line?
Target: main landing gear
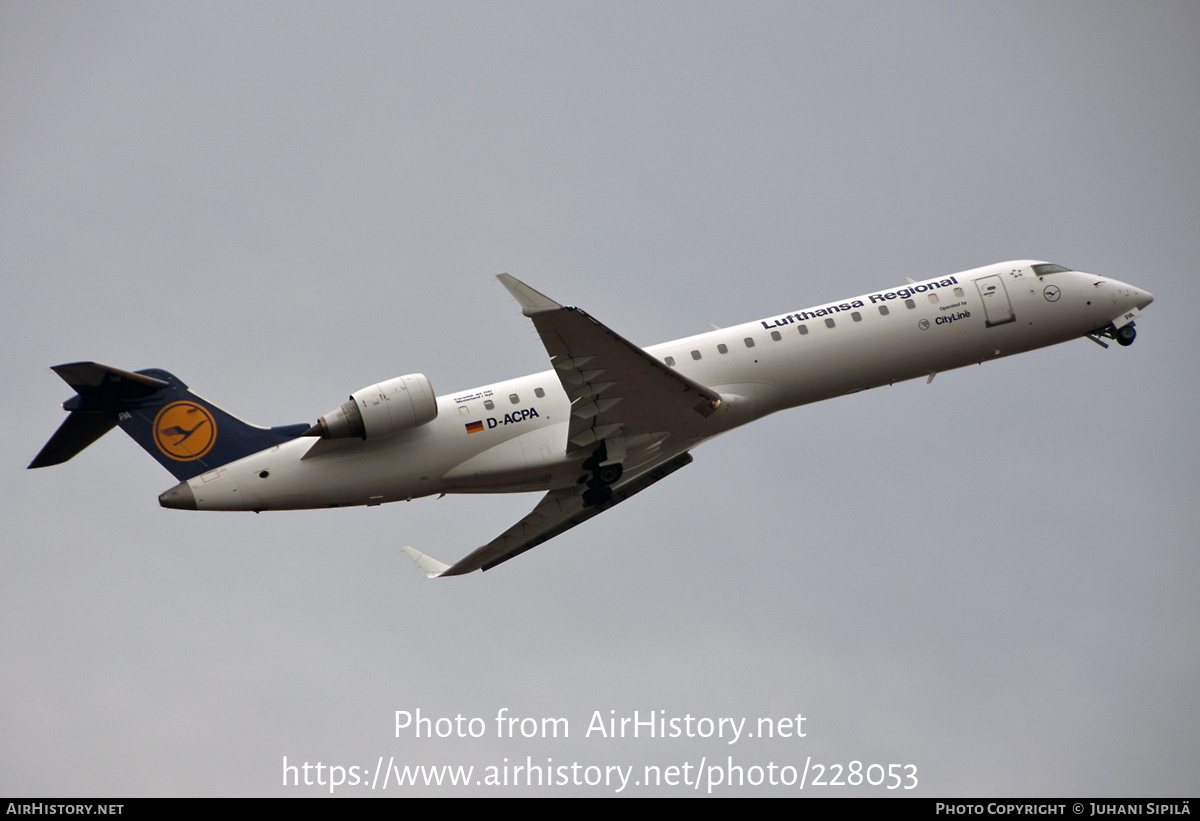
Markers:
<point>601,478</point>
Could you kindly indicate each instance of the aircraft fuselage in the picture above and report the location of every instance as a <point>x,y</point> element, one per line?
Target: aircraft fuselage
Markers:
<point>511,436</point>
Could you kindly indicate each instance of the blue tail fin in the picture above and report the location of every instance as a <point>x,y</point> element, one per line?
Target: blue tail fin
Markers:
<point>186,434</point>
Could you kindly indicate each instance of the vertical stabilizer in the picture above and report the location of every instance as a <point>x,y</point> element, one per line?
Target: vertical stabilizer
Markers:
<point>186,434</point>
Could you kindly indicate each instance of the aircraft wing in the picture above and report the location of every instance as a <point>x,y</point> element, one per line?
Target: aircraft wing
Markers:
<point>627,409</point>
<point>619,393</point>
<point>557,512</point>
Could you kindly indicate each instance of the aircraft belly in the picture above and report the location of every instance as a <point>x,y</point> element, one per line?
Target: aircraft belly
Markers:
<point>282,479</point>
<point>521,463</point>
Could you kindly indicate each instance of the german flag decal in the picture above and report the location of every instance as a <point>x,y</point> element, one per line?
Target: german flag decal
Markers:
<point>474,427</point>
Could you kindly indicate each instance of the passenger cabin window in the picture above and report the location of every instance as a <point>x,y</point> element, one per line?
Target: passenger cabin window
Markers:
<point>670,361</point>
<point>749,341</point>
<point>856,316</point>
<point>489,404</point>
<point>803,330</point>
<point>776,335</point>
<point>722,348</point>
<point>512,397</point>
<point>883,311</point>
<point>829,323</point>
<point>695,354</point>
<point>908,303</point>
<point>539,393</point>
<point>958,292</point>
<point>933,299</point>
<point>462,410</point>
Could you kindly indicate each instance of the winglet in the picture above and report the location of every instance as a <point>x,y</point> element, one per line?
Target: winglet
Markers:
<point>432,567</point>
<point>532,302</point>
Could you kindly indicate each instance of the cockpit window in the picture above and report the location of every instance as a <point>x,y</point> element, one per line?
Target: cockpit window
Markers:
<point>1049,268</point>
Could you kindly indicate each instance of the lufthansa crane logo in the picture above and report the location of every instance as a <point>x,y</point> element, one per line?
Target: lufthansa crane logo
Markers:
<point>184,431</point>
<point>1051,293</point>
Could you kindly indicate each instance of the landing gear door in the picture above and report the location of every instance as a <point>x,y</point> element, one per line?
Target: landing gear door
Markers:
<point>996,307</point>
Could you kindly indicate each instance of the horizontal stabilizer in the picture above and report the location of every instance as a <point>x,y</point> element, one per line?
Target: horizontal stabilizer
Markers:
<point>81,429</point>
<point>91,378</point>
<point>99,390</point>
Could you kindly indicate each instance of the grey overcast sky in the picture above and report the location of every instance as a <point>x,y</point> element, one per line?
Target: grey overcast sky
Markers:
<point>992,577</point>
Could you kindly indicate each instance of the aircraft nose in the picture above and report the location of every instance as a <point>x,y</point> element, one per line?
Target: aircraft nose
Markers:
<point>1124,295</point>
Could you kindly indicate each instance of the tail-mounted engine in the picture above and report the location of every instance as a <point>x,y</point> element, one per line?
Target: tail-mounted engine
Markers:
<point>381,410</point>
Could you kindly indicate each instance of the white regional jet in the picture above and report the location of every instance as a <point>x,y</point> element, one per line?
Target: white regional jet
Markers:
<point>608,420</point>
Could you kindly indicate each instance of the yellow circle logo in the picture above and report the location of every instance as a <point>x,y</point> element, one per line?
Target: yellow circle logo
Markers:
<point>184,431</point>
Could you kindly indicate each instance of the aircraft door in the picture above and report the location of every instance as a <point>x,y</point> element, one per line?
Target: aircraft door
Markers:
<point>996,306</point>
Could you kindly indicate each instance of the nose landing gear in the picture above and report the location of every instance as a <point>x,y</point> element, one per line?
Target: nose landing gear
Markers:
<point>1124,335</point>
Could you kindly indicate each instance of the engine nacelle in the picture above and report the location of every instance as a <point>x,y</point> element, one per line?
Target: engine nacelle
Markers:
<point>381,410</point>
